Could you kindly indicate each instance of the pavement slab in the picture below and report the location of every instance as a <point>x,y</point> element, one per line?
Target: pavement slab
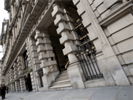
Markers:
<point>99,93</point>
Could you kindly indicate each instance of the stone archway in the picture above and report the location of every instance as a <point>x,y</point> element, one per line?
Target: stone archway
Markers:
<point>68,38</point>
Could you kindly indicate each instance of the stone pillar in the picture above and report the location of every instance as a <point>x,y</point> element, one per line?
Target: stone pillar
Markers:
<point>21,66</point>
<point>12,89</point>
<point>68,37</point>
<point>31,49</point>
<point>9,89</point>
<point>46,56</point>
<point>11,74</point>
<point>22,84</point>
<point>15,70</point>
<point>35,63</point>
<point>16,86</point>
<point>15,75</point>
<point>11,77</point>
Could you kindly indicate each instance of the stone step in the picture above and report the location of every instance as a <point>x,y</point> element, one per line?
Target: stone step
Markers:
<point>61,86</point>
<point>62,78</point>
<point>63,74</point>
<point>62,82</point>
<point>65,71</point>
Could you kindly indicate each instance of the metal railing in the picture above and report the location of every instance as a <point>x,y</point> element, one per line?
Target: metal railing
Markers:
<point>86,53</point>
<point>66,65</point>
<point>50,70</point>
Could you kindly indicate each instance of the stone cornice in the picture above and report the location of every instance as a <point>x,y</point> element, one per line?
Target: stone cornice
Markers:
<point>117,14</point>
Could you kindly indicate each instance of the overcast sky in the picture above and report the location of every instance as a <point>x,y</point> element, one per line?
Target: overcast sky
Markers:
<point>3,14</point>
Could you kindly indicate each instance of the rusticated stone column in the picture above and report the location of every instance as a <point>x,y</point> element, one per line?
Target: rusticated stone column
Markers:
<point>68,38</point>
<point>22,84</point>
<point>12,88</point>
<point>11,77</point>
<point>16,67</point>
<point>33,62</point>
<point>46,56</point>
<point>16,86</point>
<point>20,64</point>
<point>15,75</point>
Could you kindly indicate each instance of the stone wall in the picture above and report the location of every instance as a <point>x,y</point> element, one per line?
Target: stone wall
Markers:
<point>111,54</point>
<point>120,36</point>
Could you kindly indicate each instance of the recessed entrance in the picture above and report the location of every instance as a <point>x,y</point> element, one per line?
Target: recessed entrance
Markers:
<point>57,48</point>
<point>27,78</point>
<point>47,25</point>
<point>28,83</point>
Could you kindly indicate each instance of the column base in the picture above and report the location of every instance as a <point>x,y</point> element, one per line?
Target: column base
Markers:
<point>75,76</point>
<point>49,79</point>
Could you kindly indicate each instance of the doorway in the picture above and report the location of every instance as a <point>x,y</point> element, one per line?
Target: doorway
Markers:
<point>57,48</point>
<point>28,83</point>
<point>27,78</point>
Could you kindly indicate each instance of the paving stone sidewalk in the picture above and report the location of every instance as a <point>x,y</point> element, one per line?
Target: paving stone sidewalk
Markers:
<point>100,93</point>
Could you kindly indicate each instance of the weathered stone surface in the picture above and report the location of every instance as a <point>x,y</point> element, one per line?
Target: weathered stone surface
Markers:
<point>80,8</point>
<point>110,3</point>
<point>123,34</point>
<point>121,23</point>
<point>97,3</point>
<point>39,41</point>
<point>128,57</point>
<point>125,45</point>
<point>101,8</point>
<point>112,37</point>
<point>100,93</point>
<point>75,77</point>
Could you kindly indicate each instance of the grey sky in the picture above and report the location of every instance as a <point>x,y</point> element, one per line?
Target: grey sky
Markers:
<point>3,15</point>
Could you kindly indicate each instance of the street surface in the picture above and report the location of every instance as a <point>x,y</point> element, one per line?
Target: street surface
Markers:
<point>100,93</point>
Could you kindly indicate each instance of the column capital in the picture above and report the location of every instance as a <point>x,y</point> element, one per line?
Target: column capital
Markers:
<point>60,3</point>
<point>40,33</point>
<point>41,29</point>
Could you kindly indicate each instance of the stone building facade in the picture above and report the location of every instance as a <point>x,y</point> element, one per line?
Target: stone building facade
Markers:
<point>67,44</point>
<point>1,77</point>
